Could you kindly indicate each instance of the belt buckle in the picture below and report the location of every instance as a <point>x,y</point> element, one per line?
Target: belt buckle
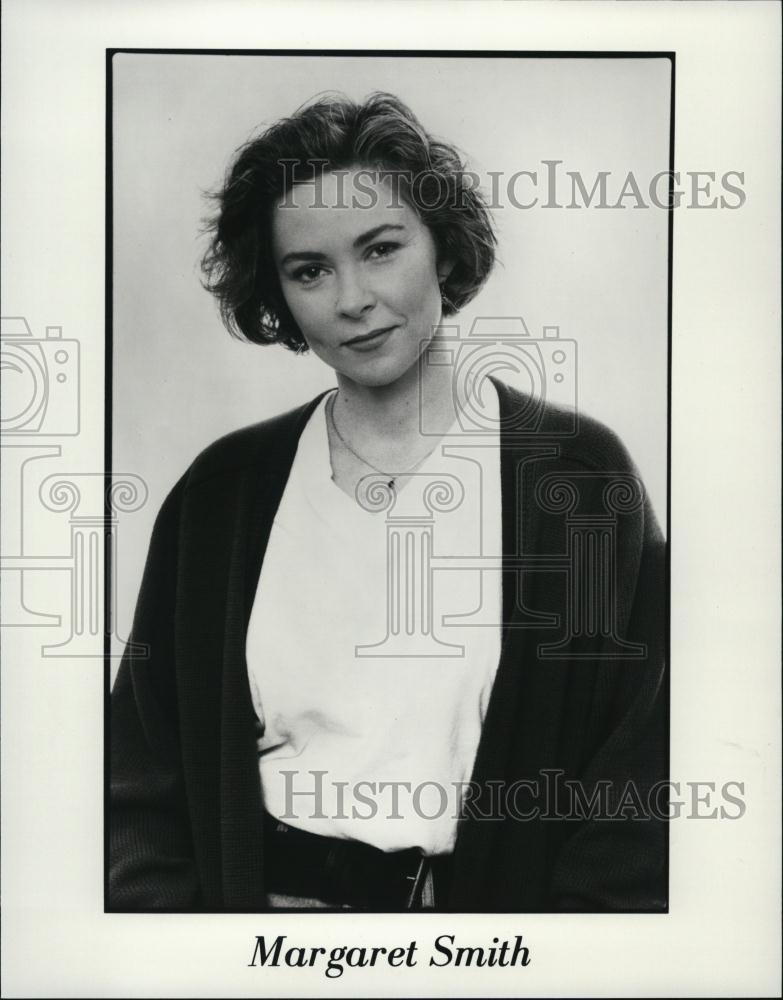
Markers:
<point>418,883</point>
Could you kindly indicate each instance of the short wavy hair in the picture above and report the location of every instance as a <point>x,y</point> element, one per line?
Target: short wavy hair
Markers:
<point>335,133</point>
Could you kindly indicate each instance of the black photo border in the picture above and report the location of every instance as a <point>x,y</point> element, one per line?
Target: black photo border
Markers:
<point>109,344</point>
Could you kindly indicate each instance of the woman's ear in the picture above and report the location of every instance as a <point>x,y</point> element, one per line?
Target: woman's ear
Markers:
<point>445,268</point>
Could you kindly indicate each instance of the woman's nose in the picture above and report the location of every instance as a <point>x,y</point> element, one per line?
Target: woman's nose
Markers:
<point>354,296</point>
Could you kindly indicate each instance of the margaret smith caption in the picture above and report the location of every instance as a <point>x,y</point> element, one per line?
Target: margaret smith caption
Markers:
<point>278,953</point>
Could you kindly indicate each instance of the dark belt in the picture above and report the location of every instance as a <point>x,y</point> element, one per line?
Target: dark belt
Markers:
<point>346,872</point>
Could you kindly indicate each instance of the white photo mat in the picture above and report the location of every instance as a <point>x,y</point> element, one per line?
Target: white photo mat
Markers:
<point>722,933</point>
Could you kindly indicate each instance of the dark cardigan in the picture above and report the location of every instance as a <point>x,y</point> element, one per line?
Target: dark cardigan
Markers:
<point>185,810</point>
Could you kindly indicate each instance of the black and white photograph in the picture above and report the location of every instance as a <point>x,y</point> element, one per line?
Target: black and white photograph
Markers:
<point>390,480</point>
<point>401,643</point>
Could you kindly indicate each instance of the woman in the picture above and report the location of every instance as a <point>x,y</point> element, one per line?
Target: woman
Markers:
<point>406,640</point>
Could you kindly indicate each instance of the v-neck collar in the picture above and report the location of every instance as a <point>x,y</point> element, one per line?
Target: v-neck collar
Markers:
<point>272,474</point>
<point>316,472</point>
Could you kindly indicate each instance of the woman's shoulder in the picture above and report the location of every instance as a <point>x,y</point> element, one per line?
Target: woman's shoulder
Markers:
<point>579,437</point>
<point>268,441</point>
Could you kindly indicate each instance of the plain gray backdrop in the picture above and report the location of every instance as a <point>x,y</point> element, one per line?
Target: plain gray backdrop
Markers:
<point>180,380</point>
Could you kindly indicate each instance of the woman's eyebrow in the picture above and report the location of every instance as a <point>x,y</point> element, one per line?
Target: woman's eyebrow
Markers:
<point>360,241</point>
<point>302,255</point>
<point>372,233</point>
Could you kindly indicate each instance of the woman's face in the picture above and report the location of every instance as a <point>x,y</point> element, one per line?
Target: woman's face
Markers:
<point>359,272</point>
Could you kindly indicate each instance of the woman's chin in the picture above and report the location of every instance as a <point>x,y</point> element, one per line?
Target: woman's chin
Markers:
<point>378,373</point>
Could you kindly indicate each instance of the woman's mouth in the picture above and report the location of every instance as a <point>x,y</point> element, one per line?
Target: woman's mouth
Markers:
<point>370,341</point>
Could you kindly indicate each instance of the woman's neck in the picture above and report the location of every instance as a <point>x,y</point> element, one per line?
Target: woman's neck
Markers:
<point>395,423</point>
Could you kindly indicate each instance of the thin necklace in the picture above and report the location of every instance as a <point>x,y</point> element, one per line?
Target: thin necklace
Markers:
<point>391,480</point>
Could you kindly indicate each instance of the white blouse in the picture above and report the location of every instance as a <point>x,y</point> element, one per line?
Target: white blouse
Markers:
<point>371,695</point>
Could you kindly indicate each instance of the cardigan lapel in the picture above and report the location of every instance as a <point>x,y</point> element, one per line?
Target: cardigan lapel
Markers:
<point>520,723</point>
<point>258,494</point>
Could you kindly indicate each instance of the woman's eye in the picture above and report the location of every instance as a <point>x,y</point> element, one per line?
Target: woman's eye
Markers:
<point>307,275</point>
<point>381,250</point>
